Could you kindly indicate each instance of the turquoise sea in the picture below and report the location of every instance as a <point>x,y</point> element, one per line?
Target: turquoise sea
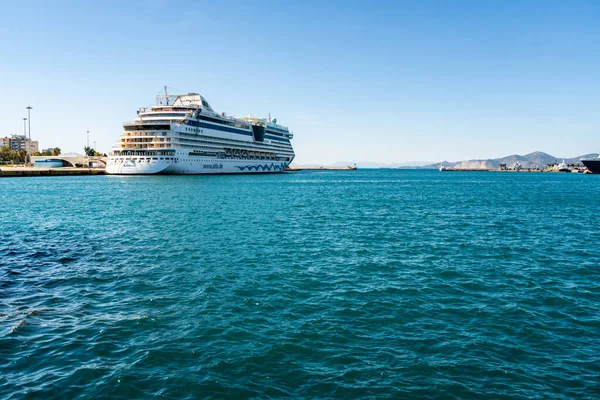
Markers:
<point>388,284</point>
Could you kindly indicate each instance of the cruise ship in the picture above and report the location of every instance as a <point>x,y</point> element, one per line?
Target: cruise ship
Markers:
<point>182,134</point>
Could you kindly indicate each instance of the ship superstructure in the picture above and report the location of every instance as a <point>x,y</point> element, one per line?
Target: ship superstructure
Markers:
<point>182,134</point>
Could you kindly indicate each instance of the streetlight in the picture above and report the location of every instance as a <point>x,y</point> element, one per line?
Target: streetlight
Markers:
<point>88,138</point>
<point>25,140</point>
<point>29,108</point>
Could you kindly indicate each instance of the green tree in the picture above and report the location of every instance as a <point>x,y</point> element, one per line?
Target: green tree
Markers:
<point>89,151</point>
<point>5,154</point>
<point>56,151</point>
<point>21,156</point>
<point>17,157</point>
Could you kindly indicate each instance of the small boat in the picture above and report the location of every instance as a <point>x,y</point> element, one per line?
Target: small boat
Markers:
<point>563,167</point>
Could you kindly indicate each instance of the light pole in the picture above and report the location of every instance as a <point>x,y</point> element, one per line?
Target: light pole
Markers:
<point>88,138</point>
<point>29,108</point>
<point>25,139</point>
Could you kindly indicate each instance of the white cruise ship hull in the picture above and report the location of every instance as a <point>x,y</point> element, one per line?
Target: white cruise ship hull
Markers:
<point>193,167</point>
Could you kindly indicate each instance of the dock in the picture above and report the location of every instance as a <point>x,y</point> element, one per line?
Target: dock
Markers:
<point>321,168</point>
<point>6,172</point>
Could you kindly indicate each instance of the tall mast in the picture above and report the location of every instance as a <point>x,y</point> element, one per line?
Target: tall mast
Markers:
<point>166,95</point>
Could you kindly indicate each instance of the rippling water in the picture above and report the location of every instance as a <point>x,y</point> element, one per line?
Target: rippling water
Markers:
<point>382,283</point>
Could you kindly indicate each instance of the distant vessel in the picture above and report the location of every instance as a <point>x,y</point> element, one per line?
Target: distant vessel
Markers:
<point>593,165</point>
<point>563,167</point>
<point>182,134</point>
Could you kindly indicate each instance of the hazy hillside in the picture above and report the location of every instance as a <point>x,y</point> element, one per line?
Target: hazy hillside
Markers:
<point>536,159</point>
<point>532,160</point>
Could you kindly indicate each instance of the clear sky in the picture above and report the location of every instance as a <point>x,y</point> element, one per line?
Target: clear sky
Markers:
<point>382,81</point>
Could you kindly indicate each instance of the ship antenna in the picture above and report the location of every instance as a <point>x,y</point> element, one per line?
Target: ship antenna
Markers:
<point>166,95</point>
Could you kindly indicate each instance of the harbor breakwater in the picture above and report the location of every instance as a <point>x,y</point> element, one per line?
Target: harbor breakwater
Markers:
<point>65,171</point>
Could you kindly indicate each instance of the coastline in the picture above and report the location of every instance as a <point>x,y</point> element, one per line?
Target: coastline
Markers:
<point>9,172</point>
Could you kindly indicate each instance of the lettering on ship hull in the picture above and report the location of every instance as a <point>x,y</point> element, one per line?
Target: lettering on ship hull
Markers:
<point>212,166</point>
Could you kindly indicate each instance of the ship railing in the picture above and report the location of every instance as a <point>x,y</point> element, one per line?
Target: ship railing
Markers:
<point>276,125</point>
<point>152,121</point>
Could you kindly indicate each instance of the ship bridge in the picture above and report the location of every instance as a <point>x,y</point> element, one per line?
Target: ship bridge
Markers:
<point>189,100</point>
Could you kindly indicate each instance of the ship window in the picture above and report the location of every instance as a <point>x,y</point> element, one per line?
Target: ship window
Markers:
<point>145,128</point>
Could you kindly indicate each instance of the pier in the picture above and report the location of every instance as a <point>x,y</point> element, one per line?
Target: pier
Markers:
<point>321,168</point>
<point>6,172</point>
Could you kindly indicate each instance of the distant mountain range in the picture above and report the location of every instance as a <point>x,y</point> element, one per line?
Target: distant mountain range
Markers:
<point>536,159</point>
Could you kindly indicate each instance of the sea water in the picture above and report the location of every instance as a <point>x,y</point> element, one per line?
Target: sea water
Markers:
<point>350,284</point>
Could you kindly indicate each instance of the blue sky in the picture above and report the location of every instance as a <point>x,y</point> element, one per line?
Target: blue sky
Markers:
<point>386,81</point>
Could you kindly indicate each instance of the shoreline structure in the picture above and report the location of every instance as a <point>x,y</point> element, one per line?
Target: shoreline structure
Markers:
<point>6,172</point>
<point>74,171</point>
<point>33,171</point>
